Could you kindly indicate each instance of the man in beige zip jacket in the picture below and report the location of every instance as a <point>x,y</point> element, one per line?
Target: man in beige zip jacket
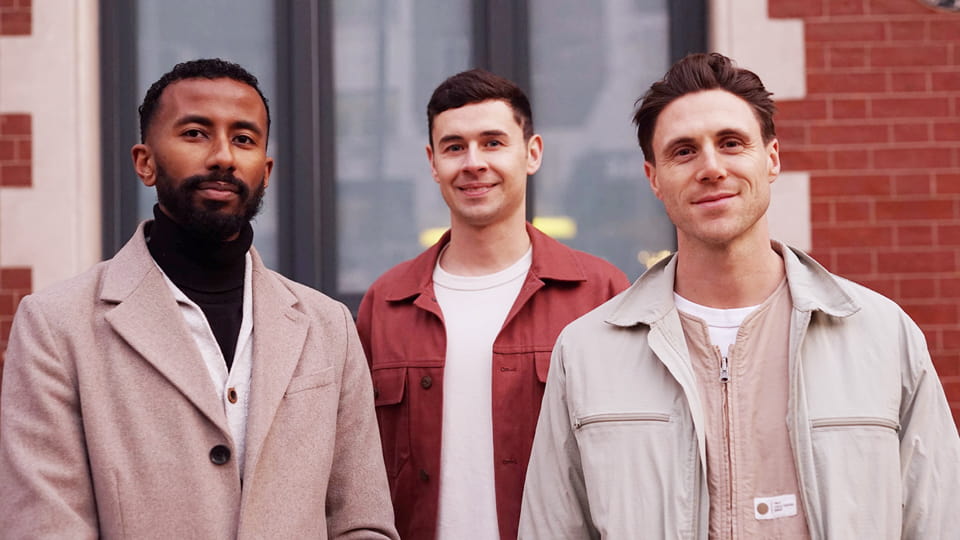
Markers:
<point>737,389</point>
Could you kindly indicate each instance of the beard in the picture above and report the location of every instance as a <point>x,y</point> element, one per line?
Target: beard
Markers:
<point>206,218</point>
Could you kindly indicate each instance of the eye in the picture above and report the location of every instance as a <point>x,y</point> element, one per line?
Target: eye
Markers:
<point>494,143</point>
<point>244,139</point>
<point>454,148</point>
<point>193,133</point>
<point>731,143</point>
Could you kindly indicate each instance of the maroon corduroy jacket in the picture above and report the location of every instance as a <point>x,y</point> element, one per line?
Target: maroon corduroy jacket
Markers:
<point>401,328</point>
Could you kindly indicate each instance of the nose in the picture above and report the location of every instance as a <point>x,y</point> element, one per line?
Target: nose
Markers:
<point>712,169</point>
<point>221,155</point>
<point>473,159</point>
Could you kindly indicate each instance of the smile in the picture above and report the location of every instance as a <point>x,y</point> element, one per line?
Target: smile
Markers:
<point>714,198</point>
<point>475,190</point>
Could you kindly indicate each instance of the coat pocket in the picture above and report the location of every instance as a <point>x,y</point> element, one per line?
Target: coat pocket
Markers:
<point>309,382</point>
<point>393,416</point>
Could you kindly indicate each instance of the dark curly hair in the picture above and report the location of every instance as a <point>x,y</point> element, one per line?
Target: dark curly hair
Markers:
<point>206,68</point>
<point>696,73</point>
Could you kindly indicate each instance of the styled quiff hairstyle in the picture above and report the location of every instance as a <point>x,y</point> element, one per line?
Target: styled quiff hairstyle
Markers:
<point>478,85</point>
<point>696,73</point>
<point>204,68</point>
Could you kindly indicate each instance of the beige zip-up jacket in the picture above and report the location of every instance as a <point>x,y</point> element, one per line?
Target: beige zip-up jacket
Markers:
<point>620,448</point>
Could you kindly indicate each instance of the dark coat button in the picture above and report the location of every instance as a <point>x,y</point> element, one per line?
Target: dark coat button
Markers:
<point>232,395</point>
<point>424,476</point>
<point>426,381</point>
<point>219,454</point>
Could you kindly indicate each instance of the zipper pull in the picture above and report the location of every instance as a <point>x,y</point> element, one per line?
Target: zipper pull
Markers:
<point>724,370</point>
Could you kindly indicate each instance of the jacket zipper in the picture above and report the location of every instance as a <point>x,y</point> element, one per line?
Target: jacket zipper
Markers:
<point>727,433</point>
<point>855,421</point>
<point>620,417</point>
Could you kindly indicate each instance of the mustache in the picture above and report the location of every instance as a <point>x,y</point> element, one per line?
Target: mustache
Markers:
<point>227,177</point>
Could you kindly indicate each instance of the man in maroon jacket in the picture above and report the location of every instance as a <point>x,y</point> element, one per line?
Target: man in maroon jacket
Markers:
<point>459,338</point>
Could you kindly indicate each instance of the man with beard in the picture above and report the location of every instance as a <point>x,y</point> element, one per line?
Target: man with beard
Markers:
<point>181,389</point>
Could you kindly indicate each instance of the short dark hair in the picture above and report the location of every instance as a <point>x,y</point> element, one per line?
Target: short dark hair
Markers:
<point>696,73</point>
<point>478,85</point>
<point>206,68</point>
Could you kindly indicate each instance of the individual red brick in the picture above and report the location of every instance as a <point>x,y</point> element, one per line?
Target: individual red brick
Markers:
<point>803,160</point>
<point>915,236</point>
<point>858,236</point>
<point>909,107</point>
<point>7,3</point>
<point>8,303</point>
<point>913,158</point>
<point>843,108</point>
<point>15,176</point>
<point>950,287</point>
<point>946,364</point>
<point>946,131</point>
<point>794,8</point>
<point>845,82</point>
<point>839,186</point>
<point>848,7</point>
<point>908,262</point>
<point>908,30</point>
<point>14,124</point>
<point>806,109</point>
<point>947,29</point>
<point>16,278</point>
<point>948,235</point>
<point>918,288</point>
<point>886,287</point>
<point>950,339</point>
<point>8,150</point>
<point>910,56</point>
<point>910,82</point>
<point>847,57</point>
<point>895,7</point>
<point>858,30</point>
<point>848,134</point>
<point>790,133</point>
<point>25,149</point>
<point>821,212</point>
<point>947,184</point>
<point>911,132</point>
<point>15,23</point>
<point>853,263</point>
<point>932,313</point>
<point>815,56</point>
<point>913,184</point>
<point>852,211</point>
<point>851,160</point>
<point>945,80</point>
<point>902,210</point>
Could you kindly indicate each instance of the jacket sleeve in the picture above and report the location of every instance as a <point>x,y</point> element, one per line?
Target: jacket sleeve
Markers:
<point>45,483</point>
<point>929,448</point>
<point>555,505</point>
<point>358,499</point>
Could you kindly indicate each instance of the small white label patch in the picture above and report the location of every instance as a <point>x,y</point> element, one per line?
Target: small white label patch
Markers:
<point>775,507</point>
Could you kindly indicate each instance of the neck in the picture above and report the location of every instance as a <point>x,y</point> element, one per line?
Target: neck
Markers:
<point>728,276</point>
<point>478,251</point>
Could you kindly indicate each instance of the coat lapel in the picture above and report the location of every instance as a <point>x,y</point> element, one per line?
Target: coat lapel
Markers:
<point>147,317</point>
<point>280,332</point>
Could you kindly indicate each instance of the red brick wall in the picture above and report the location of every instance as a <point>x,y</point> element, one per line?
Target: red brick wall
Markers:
<point>16,17</point>
<point>15,283</point>
<point>16,149</point>
<point>879,131</point>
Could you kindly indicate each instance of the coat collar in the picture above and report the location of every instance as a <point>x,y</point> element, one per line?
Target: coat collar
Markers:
<point>812,288</point>
<point>551,261</point>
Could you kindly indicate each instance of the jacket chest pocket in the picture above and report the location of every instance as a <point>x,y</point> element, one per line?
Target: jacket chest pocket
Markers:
<point>393,416</point>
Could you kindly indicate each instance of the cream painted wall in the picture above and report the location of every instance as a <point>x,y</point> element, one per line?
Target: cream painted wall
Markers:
<point>54,227</point>
<point>774,50</point>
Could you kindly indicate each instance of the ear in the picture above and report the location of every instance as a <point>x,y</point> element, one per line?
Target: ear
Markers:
<point>651,171</point>
<point>144,164</point>
<point>534,154</point>
<point>433,168</point>
<point>773,159</point>
<point>268,168</point>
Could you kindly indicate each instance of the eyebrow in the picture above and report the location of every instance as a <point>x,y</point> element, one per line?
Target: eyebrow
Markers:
<point>206,122</point>
<point>487,133</point>
<point>722,133</point>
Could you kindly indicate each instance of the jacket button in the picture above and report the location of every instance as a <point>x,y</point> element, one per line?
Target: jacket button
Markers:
<point>232,395</point>
<point>424,476</point>
<point>219,454</point>
<point>426,381</point>
<point>376,393</point>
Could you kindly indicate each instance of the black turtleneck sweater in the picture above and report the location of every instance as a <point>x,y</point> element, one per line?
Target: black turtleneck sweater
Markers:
<point>209,273</point>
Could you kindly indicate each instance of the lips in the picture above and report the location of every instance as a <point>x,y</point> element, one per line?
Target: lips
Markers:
<point>218,186</point>
<point>475,190</point>
<point>713,198</point>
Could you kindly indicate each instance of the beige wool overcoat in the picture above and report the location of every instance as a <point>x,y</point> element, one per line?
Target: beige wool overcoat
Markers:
<point>109,419</point>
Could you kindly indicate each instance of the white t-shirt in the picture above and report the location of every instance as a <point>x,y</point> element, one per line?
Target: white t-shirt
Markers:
<point>723,324</point>
<point>474,309</point>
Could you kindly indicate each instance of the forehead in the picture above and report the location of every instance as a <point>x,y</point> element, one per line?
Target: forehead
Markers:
<point>702,114</point>
<point>474,118</point>
<point>221,98</point>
